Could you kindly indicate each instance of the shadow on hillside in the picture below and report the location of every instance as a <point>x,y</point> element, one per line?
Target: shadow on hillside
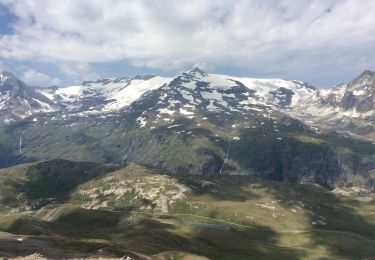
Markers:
<point>57,178</point>
<point>84,223</point>
<point>53,248</point>
<point>276,156</point>
<point>258,243</point>
<point>119,232</point>
<point>59,140</point>
<point>294,157</point>
<point>212,161</point>
<point>337,225</point>
<point>139,233</point>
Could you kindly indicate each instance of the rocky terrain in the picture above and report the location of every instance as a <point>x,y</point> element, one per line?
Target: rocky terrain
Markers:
<point>201,123</point>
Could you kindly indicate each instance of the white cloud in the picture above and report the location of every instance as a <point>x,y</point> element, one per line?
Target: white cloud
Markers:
<point>79,71</point>
<point>305,36</point>
<point>33,77</point>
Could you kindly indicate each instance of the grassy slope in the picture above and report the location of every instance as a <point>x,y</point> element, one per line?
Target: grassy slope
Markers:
<point>265,219</point>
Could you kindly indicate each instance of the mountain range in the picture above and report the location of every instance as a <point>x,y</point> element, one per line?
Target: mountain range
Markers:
<point>345,102</point>
<point>198,123</point>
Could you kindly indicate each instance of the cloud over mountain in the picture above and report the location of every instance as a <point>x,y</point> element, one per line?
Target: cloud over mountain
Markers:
<point>285,37</point>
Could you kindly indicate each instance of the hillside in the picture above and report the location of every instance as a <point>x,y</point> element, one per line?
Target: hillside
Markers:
<point>102,211</point>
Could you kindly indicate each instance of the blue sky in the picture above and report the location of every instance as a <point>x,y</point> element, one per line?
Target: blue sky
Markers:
<point>323,42</point>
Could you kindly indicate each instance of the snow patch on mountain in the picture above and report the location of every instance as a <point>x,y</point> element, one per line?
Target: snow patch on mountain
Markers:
<point>270,91</point>
<point>133,91</point>
<point>104,96</point>
<point>191,92</point>
<point>18,101</point>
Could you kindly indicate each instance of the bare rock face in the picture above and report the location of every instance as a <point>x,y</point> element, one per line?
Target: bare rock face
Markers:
<point>18,101</point>
<point>357,95</point>
<point>362,93</point>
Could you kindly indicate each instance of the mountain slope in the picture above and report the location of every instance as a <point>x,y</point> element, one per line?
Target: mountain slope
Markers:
<point>18,101</point>
<point>347,107</point>
<point>355,99</point>
<point>203,124</point>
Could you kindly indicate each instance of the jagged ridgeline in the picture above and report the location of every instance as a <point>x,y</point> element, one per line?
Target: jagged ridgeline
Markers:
<point>198,123</point>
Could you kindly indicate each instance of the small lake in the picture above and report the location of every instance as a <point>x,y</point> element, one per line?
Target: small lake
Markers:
<point>205,225</point>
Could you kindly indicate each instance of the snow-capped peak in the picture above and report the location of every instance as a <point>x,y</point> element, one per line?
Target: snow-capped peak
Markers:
<point>366,81</point>
<point>104,95</point>
<point>194,73</point>
<point>18,101</point>
<point>198,89</point>
<point>367,73</point>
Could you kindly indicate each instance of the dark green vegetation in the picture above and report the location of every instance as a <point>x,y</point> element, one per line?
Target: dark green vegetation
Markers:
<point>100,210</point>
<point>39,184</point>
<point>271,146</point>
